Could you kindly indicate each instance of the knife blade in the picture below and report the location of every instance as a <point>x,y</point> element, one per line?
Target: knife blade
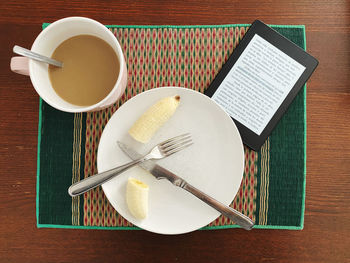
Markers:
<point>160,172</point>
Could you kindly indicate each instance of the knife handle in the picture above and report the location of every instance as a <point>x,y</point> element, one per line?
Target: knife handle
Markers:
<point>240,219</point>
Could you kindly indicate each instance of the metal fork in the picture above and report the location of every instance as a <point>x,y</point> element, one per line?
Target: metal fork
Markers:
<point>160,151</point>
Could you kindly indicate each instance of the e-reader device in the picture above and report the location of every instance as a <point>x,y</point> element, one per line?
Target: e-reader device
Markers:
<point>260,80</point>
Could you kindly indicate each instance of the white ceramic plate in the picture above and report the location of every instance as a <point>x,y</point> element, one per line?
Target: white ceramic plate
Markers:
<point>213,164</point>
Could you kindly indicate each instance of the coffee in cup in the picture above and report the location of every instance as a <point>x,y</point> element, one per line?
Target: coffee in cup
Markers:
<point>90,70</point>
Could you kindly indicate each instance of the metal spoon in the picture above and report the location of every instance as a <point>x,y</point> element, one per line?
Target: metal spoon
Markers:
<point>29,54</point>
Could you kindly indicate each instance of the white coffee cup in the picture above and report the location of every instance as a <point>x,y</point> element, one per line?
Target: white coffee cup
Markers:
<point>48,40</point>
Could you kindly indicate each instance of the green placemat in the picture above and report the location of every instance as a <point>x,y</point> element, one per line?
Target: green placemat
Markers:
<point>272,192</point>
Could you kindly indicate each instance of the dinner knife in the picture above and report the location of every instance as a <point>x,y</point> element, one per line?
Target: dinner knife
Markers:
<point>160,172</point>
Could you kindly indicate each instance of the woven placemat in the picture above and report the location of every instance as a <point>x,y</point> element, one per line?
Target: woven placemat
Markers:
<point>272,192</point>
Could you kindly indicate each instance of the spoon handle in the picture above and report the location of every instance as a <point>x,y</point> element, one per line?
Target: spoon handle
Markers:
<point>29,54</point>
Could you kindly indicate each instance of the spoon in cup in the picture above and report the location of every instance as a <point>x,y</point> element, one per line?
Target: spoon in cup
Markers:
<point>30,54</point>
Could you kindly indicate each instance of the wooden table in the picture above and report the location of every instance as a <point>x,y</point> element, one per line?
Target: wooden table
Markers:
<point>326,236</point>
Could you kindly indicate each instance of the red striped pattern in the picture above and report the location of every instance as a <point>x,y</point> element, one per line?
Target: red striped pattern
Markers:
<point>186,57</point>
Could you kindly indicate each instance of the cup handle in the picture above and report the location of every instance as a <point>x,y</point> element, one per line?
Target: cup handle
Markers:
<point>20,65</point>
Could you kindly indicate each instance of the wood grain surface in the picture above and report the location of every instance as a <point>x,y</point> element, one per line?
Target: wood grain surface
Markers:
<point>326,236</point>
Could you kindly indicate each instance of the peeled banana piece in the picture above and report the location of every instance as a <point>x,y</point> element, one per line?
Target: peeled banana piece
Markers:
<point>145,127</point>
<point>137,198</point>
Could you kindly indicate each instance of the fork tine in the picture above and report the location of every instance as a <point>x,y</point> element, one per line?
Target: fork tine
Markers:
<point>174,140</point>
<point>178,149</point>
<point>176,144</point>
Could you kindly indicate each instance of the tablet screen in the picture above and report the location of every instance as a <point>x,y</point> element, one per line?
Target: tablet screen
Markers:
<point>257,84</point>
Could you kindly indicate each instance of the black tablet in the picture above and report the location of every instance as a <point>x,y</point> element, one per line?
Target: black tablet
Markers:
<point>260,80</point>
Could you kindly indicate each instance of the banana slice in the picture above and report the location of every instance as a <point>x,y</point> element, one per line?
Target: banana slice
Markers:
<point>137,198</point>
<point>144,128</point>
